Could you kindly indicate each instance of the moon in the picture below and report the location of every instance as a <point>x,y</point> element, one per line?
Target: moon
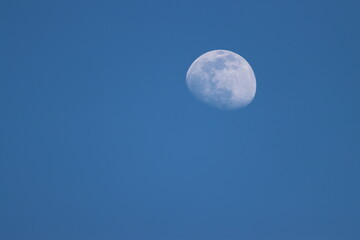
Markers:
<point>222,79</point>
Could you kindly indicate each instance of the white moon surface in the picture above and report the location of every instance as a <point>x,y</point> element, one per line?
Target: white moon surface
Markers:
<point>222,79</point>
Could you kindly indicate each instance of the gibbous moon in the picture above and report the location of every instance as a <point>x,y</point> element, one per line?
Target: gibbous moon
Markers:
<point>222,79</point>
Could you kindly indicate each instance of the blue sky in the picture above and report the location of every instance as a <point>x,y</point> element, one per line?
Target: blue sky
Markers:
<point>101,139</point>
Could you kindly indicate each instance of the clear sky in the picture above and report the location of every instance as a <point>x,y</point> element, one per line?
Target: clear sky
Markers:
<point>101,139</point>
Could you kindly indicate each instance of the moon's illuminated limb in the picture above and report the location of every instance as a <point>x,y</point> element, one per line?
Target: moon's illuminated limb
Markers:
<point>223,79</point>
